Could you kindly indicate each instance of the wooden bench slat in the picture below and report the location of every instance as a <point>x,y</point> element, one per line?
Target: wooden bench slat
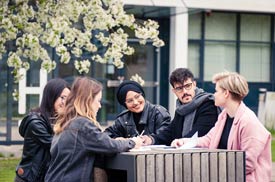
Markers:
<point>240,167</point>
<point>169,170</point>
<point>205,167</point>
<point>159,167</point>
<point>213,167</point>
<point>231,166</point>
<point>187,167</point>
<point>196,172</point>
<point>178,167</point>
<point>150,168</point>
<point>222,167</point>
<point>141,168</point>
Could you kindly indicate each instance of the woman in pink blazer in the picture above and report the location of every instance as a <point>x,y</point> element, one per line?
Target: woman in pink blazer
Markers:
<point>238,128</point>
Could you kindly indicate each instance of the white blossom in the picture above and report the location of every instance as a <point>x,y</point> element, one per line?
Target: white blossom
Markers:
<point>48,65</point>
<point>65,58</point>
<point>138,79</point>
<point>118,63</point>
<point>70,27</point>
<point>14,61</point>
<point>15,95</point>
<point>82,66</point>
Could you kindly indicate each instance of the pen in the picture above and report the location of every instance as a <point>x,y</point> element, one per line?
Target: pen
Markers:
<point>141,133</point>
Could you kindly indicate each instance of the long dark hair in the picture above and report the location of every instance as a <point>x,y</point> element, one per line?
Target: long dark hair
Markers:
<point>51,92</point>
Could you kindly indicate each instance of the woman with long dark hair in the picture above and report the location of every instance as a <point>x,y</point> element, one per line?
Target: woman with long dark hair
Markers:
<point>36,129</point>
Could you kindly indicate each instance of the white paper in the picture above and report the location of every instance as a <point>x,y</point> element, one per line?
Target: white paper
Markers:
<point>192,142</point>
<point>139,149</point>
<point>148,147</point>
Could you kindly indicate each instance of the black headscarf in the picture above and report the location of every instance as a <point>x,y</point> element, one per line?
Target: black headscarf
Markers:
<point>126,86</point>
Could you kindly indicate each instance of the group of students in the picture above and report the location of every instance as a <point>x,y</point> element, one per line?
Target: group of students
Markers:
<point>63,141</point>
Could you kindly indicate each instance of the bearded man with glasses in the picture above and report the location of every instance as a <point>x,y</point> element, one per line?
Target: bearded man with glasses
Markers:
<point>195,112</point>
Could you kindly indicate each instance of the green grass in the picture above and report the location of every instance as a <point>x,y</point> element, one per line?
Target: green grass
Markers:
<point>273,150</point>
<point>273,145</point>
<point>7,169</point>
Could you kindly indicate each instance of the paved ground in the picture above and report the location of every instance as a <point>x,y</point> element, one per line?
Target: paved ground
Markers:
<point>16,150</point>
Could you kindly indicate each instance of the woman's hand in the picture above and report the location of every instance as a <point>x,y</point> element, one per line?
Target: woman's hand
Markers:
<point>147,140</point>
<point>179,142</point>
<point>138,141</point>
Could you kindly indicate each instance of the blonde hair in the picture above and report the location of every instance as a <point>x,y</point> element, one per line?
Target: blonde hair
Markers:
<point>235,83</point>
<point>78,103</point>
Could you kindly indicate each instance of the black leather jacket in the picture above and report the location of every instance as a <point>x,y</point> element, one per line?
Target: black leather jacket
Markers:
<point>205,118</point>
<point>154,118</point>
<point>37,133</point>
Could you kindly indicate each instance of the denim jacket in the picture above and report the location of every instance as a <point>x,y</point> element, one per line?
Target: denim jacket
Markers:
<point>73,151</point>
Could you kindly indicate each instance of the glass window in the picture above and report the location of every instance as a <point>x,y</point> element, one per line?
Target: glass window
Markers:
<point>33,74</point>
<point>3,86</point>
<point>143,63</point>
<point>32,101</point>
<point>194,59</point>
<point>255,62</point>
<point>220,26</point>
<point>219,56</point>
<point>255,27</point>
<point>194,28</point>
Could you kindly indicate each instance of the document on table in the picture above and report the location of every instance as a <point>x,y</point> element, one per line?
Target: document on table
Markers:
<point>192,143</point>
<point>148,147</point>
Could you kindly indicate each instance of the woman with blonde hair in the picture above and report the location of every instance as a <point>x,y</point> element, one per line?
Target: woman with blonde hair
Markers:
<point>78,137</point>
<point>238,128</point>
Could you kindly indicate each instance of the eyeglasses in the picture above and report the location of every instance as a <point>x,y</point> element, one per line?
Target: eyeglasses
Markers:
<point>136,97</point>
<point>187,86</point>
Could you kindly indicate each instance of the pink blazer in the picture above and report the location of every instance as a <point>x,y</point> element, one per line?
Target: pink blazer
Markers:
<point>249,135</point>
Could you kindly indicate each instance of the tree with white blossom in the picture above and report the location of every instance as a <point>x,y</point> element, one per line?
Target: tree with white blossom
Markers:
<point>71,27</point>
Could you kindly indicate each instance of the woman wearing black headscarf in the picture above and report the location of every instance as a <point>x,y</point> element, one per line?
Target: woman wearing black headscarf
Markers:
<point>140,115</point>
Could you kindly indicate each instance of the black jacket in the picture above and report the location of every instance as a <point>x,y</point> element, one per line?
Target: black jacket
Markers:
<point>154,118</point>
<point>37,133</point>
<point>205,118</point>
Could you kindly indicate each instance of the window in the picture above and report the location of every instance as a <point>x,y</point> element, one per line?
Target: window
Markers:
<point>194,27</point>
<point>255,62</point>
<point>194,59</point>
<point>220,45</point>
<point>220,26</point>
<point>255,28</point>
<point>232,42</point>
<point>219,56</point>
<point>255,47</point>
